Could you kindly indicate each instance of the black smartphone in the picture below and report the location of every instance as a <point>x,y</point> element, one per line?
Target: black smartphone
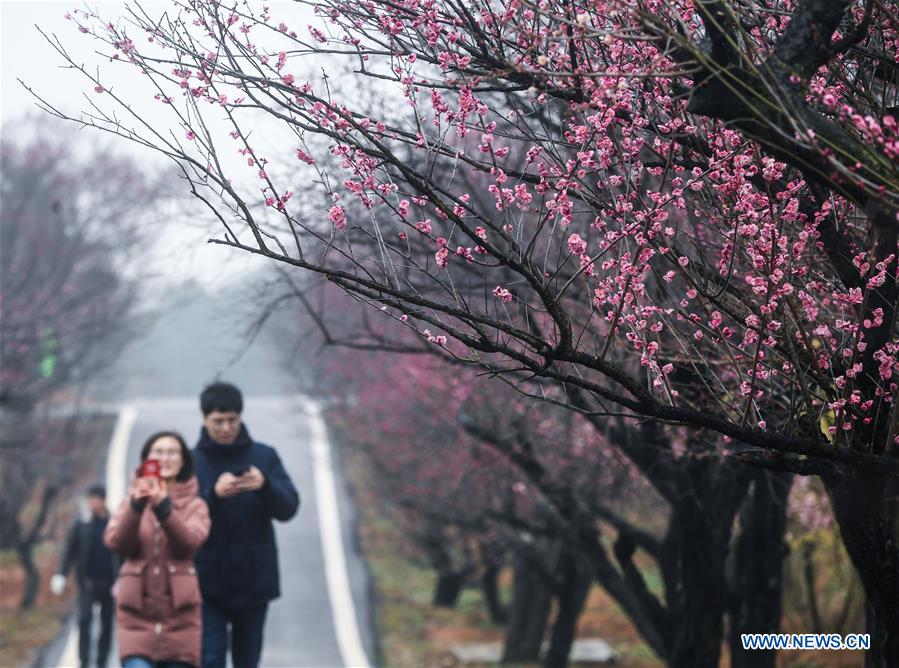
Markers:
<point>239,471</point>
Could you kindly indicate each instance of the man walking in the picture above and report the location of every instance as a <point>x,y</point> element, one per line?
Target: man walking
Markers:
<point>246,487</point>
<point>95,571</point>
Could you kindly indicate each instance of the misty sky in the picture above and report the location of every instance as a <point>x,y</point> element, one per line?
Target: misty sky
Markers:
<point>181,251</point>
<point>195,334</point>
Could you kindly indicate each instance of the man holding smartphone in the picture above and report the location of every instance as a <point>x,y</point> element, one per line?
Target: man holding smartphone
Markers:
<point>246,487</point>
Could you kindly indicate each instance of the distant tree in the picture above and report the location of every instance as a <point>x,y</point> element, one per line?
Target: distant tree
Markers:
<point>70,234</point>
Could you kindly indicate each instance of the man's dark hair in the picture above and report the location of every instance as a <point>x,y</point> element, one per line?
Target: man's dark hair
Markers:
<point>221,397</point>
<point>97,490</point>
<point>187,461</point>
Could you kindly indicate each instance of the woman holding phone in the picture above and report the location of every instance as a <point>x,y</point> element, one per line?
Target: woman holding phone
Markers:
<point>157,530</point>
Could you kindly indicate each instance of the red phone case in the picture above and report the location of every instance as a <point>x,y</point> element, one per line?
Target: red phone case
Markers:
<point>150,468</point>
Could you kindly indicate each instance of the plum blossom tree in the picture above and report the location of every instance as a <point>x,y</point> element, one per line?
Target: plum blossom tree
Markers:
<point>698,225</point>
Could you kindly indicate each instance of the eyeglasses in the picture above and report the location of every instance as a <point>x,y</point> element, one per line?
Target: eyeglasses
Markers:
<point>164,452</point>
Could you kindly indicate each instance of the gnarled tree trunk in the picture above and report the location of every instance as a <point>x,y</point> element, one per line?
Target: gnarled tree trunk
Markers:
<point>860,507</point>
<point>490,589</point>
<point>449,586</point>
<point>528,615</point>
<point>572,591</point>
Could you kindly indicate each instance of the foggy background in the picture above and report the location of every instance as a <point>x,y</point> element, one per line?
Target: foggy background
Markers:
<point>196,303</point>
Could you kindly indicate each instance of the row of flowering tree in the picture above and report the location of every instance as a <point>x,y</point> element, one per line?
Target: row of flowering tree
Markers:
<point>66,233</point>
<point>469,460</point>
<point>674,212</point>
<point>474,471</point>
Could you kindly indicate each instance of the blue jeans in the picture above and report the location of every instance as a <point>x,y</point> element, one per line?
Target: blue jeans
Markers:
<point>144,662</point>
<point>247,625</point>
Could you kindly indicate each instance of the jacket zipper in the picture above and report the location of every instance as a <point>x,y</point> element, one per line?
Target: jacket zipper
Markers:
<point>156,571</point>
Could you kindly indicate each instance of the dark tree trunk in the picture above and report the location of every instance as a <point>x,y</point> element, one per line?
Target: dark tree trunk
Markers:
<point>755,567</point>
<point>572,594</point>
<point>861,510</point>
<point>695,552</point>
<point>528,614</point>
<point>451,575</point>
<point>449,586</point>
<point>25,548</point>
<point>699,610</point>
<point>872,659</point>
<point>490,587</point>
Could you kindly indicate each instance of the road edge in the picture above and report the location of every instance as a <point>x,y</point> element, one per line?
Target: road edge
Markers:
<point>343,607</point>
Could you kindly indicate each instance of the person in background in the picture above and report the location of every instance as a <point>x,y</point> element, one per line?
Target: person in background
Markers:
<point>246,487</point>
<point>157,529</point>
<point>95,571</point>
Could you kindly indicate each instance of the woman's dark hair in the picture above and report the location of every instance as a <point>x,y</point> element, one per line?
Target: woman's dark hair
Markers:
<point>222,397</point>
<point>187,462</point>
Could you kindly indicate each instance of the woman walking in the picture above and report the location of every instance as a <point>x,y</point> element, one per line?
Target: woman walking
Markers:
<point>157,530</point>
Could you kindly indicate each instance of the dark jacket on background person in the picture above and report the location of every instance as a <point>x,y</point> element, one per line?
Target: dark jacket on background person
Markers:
<point>85,551</point>
<point>238,564</point>
<point>95,571</point>
<point>158,601</point>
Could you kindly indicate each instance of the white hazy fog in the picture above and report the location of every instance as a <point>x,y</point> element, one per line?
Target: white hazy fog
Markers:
<point>180,251</point>
<point>197,297</point>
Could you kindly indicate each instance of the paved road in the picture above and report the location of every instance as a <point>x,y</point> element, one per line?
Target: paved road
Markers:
<point>322,619</point>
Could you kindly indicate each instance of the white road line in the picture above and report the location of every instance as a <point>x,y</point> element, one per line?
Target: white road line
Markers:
<point>115,492</point>
<point>343,609</point>
<point>116,478</point>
